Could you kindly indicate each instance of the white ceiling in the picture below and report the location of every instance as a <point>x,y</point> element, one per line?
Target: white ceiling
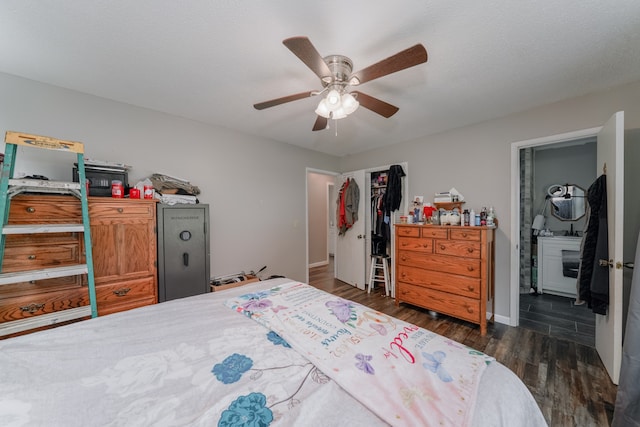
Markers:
<point>212,60</point>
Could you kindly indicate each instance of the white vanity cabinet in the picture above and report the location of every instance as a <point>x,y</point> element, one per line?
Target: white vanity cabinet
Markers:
<point>550,277</point>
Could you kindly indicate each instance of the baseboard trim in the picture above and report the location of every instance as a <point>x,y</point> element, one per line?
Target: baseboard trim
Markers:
<point>319,264</point>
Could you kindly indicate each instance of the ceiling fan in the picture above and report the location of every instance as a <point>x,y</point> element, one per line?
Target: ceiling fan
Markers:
<point>335,73</point>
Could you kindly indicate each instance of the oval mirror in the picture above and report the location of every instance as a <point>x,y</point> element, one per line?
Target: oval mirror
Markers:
<point>567,202</point>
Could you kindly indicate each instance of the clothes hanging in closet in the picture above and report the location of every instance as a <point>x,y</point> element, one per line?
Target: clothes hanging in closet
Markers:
<point>593,279</point>
<point>380,229</point>
<point>348,203</point>
<point>393,195</point>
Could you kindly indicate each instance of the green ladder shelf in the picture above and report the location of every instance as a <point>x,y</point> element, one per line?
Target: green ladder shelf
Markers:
<point>10,187</point>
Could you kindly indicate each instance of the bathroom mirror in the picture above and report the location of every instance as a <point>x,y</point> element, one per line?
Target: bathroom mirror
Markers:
<point>568,202</point>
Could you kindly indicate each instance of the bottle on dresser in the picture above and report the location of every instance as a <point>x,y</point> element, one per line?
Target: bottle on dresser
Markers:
<point>491,217</point>
<point>483,216</point>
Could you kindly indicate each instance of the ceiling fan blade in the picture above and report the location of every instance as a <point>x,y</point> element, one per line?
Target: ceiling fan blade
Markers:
<point>407,58</point>
<point>375,105</point>
<point>284,99</point>
<point>320,124</point>
<point>304,49</point>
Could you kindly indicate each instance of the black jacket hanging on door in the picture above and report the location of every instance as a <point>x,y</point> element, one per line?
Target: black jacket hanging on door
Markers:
<point>594,278</point>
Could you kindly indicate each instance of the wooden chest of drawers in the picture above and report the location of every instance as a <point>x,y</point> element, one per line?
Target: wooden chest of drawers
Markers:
<point>447,269</point>
<point>124,255</point>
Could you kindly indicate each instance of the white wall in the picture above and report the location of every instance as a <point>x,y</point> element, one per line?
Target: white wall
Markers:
<point>255,187</point>
<point>476,159</point>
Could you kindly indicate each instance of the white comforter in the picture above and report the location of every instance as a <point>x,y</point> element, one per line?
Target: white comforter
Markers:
<point>195,362</point>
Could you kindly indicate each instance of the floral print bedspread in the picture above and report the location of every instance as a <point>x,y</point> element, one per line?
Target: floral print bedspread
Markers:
<point>407,375</point>
<point>187,362</point>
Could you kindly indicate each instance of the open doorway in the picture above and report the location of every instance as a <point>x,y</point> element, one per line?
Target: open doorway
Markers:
<point>320,218</point>
<point>542,164</point>
<point>550,237</point>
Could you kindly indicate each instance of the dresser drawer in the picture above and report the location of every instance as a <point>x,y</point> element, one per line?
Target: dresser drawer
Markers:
<point>442,302</point>
<point>457,248</point>
<point>415,244</point>
<point>125,295</point>
<point>408,231</point>
<point>49,210</point>
<point>37,304</point>
<point>465,234</point>
<point>121,209</point>
<point>455,265</point>
<point>20,258</point>
<point>445,282</point>
<point>435,233</point>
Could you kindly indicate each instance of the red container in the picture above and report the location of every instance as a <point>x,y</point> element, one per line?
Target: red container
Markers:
<point>134,193</point>
<point>148,192</point>
<point>117,190</point>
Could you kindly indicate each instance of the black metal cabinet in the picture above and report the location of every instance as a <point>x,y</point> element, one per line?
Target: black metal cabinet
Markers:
<point>183,251</point>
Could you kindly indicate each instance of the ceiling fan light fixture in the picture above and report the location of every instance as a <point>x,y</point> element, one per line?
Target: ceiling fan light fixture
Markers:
<point>349,103</point>
<point>338,114</point>
<point>323,110</point>
<point>333,100</point>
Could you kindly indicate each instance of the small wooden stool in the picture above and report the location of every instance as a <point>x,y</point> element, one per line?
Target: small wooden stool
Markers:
<point>379,262</point>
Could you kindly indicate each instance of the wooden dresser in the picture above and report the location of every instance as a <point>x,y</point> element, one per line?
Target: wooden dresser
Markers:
<point>447,269</point>
<point>124,255</point>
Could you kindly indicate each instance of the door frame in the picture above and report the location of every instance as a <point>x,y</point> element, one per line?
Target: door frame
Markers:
<point>514,305</point>
<point>368,171</point>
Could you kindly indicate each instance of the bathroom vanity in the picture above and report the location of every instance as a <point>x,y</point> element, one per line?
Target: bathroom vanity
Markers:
<point>552,278</point>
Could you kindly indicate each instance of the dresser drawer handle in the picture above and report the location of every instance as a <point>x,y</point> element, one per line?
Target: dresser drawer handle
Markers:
<point>443,247</point>
<point>31,257</point>
<point>32,308</point>
<point>470,250</point>
<point>469,310</point>
<point>471,288</point>
<point>120,210</point>
<point>31,209</point>
<point>464,234</point>
<point>122,292</point>
<point>425,245</point>
<point>470,268</point>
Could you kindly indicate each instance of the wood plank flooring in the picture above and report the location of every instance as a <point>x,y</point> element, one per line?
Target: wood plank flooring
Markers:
<point>567,379</point>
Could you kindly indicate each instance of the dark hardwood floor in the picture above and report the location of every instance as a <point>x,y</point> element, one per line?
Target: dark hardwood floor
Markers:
<point>566,378</point>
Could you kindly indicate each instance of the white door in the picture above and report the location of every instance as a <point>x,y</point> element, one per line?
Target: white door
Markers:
<point>350,247</point>
<point>609,327</point>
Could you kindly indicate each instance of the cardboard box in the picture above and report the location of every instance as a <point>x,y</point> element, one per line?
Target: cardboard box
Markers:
<point>248,279</point>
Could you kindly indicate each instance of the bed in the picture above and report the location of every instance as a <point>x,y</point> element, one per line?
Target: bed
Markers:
<point>238,358</point>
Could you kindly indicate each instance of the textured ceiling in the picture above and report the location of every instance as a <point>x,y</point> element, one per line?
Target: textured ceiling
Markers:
<point>212,60</point>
